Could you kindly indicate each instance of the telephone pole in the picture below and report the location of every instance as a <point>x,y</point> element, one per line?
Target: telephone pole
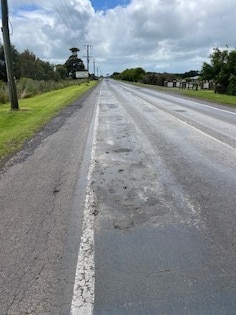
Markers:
<point>8,56</point>
<point>94,67</point>
<point>88,46</point>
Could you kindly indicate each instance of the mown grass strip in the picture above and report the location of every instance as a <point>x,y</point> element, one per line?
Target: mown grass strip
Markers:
<point>209,95</point>
<point>18,126</point>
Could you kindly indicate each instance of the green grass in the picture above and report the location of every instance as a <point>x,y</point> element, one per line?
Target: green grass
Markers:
<point>209,95</point>
<point>18,126</point>
<point>200,94</point>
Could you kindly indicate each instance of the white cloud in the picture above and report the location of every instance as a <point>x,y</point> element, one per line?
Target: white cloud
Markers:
<point>158,35</point>
<point>49,30</point>
<point>173,35</point>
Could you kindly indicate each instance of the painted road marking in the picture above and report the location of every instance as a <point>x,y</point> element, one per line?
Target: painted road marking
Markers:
<point>83,294</point>
<point>150,105</point>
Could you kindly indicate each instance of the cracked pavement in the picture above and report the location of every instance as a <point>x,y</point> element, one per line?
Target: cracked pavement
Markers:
<point>40,226</point>
<point>149,229</point>
<point>165,184</point>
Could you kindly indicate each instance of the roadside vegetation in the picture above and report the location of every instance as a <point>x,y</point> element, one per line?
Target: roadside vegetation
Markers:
<point>208,95</point>
<point>18,126</point>
<point>27,87</point>
<point>34,76</point>
<point>43,89</point>
<point>219,75</point>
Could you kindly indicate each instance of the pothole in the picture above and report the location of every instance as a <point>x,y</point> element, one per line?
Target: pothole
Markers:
<point>122,150</point>
<point>180,110</point>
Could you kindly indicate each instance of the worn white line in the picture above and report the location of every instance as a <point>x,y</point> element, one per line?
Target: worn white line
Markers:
<point>201,104</point>
<point>83,294</point>
<point>202,132</point>
<point>189,125</point>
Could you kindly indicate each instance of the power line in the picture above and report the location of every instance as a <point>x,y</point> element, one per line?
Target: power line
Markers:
<point>63,10</point>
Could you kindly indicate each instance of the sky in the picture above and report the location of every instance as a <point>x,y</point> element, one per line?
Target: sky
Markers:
<point>172,36</point>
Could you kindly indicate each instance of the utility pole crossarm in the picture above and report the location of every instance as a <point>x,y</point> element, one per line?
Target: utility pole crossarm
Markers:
<point>8,56</point>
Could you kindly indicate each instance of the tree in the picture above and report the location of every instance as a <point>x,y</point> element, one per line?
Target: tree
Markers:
<point>32,67</point>
<point>151,78</point>
<point>231,90</point>
<point>48,72</point>
<point>158,78</point>
<point>116,75</point>
<point>15,57</point>
<point>222,70</point>
<point>133,74</point>
<point>190,74</point>
<point>74,64</point>
<point>207,72</point>
<point>27,64</point>
<point>61,70</point>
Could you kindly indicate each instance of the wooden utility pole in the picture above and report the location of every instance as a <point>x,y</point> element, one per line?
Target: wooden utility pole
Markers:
<point>94,67</point>
<point>8,57</point>
<point>88,46</point>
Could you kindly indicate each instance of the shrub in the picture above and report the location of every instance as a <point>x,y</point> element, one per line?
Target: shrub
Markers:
<point>27,87</point>
<point>3,93</point>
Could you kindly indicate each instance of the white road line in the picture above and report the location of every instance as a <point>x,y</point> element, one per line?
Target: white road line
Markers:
<point>83,295</point>
<point>201,104</point>
<point>202,132</point>
<point>188,124</point>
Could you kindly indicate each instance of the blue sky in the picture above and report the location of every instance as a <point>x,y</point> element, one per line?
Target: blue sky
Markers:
<point>157,35</point>
<point>108,4</point>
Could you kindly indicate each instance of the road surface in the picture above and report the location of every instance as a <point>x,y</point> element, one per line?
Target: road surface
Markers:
<point>42,193</point>
<point>128,206</point>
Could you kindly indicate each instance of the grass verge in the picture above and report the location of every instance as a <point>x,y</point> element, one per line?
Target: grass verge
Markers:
<point>18,126</point>
<point>209,96</point>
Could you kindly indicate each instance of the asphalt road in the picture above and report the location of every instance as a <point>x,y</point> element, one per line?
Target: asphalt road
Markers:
<point>165,181</point>
<point>124,204</point>
<point>42,192</point>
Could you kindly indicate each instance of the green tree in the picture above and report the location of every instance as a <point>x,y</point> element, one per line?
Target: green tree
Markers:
<point>158,78</point>
<point>27,65</point>
<point>138,74</point>
<point>15,57</point>
<point>207,72</point>
<point>62,71</point>
<point>222,70</point>
<point>151,78</point>
<point>231,89</point>
<point>133,74</point>
<point>32,67</point>
<point>73,64</point>
<point>116,75</point>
